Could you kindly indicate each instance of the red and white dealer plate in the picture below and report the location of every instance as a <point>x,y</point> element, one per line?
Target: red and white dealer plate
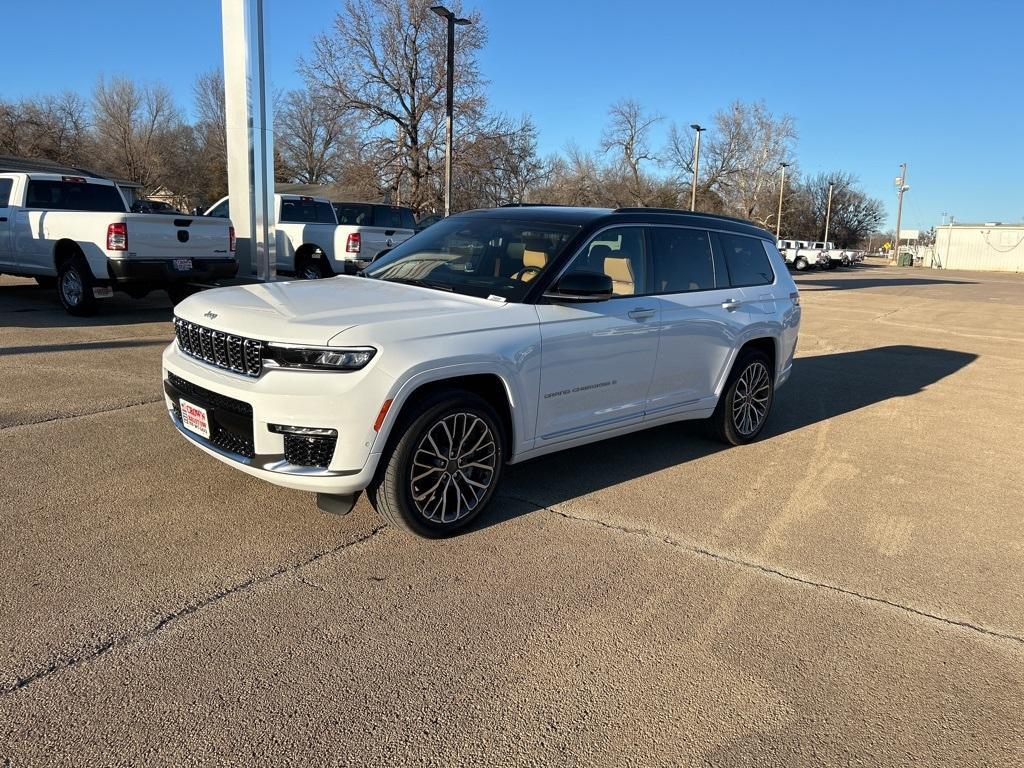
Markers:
<point>194,418</point>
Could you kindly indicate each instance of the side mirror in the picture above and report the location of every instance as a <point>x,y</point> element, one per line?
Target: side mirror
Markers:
<point>582,286</point>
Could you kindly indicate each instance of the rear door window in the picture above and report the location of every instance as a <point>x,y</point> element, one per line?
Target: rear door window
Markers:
<point>393,217</point>
<point>746,259</point>
<point>682,260</point>
<point>219,211</point>
<point>307,212</point>
<point>353,214</point>
<point>73,196</point>
<point>5,192</point>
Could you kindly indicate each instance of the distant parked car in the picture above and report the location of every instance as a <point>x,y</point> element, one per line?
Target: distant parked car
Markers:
<point>428,220</point>
<point>154,206</point>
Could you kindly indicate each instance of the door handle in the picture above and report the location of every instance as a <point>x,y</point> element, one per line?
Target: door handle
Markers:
<point>640,313</point>
<point>731,304</point>
<point>389,232</point>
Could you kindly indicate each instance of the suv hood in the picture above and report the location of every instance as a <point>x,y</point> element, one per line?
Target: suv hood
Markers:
<point>314,311</point>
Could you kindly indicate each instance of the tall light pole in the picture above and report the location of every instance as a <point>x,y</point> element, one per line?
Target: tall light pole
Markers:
<point>901,187</point>
<point>828,213</point>
<point>452,20</point>
<point>782,187</point>
<point>696,166</point>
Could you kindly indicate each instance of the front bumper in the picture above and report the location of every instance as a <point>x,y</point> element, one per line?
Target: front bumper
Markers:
<point>345,402</point>
<point>162,271</point>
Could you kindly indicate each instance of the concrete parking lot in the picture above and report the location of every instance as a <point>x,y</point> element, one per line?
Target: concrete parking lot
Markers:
<point>846,591</point>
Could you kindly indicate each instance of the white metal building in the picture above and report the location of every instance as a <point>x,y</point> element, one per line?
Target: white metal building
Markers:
<point>993,247</point>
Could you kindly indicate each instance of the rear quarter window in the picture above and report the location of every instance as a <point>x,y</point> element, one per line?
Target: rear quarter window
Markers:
<point>5,192</point>
<point>353,214</point>
<point>746,260</point>
<point>393,217</point>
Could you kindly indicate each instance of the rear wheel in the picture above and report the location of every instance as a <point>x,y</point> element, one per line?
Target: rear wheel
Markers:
<point>801,264</point>
<point>74,287</point>
<point>441,473</point>
<point>314,268</point>
<point>744,406</point>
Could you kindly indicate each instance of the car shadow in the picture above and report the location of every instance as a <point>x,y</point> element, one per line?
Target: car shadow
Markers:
<point>837,383</point>
<point>25,305</point>
<point>854,283</point>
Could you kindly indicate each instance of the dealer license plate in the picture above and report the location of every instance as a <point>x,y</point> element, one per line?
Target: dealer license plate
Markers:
<point>194,418</point>
<point>183,265</point>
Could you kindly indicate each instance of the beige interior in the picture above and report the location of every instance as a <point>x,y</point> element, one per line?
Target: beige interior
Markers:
<point>620,271</point>
<point>534,258</point>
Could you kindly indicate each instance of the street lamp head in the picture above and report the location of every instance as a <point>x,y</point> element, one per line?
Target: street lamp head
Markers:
<point>441,11</point>
<point>463,22</point>
<point>697,128</point>
<point>783,165</point>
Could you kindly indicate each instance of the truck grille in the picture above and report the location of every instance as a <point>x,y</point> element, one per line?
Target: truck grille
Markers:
<point>309,451</point>
<point>224,350</point>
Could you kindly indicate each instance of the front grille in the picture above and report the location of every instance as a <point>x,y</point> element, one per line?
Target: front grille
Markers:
<point>309,451</point>
<point>233,353</point>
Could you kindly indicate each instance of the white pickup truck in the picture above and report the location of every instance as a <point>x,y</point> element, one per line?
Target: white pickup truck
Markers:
<point>802,254</point>
<point>76,232</point>
<point>311,244</point>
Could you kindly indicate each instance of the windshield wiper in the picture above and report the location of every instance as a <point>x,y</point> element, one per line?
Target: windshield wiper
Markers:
<point>417,281</point>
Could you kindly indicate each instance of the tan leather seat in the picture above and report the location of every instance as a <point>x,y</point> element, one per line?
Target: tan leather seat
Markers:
<point>620,271</point>
<point>535,258</point>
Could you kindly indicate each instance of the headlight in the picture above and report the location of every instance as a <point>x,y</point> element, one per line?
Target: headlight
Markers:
<point>318,358</point>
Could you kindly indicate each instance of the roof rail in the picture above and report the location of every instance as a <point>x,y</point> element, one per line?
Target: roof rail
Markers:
<point>531,205</point>
<point>702,214</point>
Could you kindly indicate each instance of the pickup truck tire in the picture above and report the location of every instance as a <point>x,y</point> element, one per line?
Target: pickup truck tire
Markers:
<point>74,287</point>
<point>313,268</point>
<point>801,264</point>
<point>455,437</point>
<point>745,403</point>
<point>46,281</point>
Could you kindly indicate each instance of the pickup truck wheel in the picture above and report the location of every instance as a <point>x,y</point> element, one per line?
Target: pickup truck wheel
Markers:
<point>314,269</point>
<point>743,408</point>
<point>801,264</point>
<point>441,472</point>
<point>74,287</point>
<point>45,281</point>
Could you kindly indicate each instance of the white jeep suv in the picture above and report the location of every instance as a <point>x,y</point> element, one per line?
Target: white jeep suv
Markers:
<point>491,338</point>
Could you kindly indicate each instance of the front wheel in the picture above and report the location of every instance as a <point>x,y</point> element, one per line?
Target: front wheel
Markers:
<point>801,264</point>
<point>744,405</point>
<point>74,287</point>
<point>440,474</point>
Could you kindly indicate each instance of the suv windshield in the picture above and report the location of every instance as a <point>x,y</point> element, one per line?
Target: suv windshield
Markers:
<point>478,256</point>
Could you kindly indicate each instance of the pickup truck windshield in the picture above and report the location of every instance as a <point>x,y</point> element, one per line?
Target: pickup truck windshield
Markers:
<point>476,256</point>
<point>73,196</point>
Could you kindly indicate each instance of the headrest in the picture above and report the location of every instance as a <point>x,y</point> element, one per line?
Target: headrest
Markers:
<point>618,269</point>
<point>532,258</point>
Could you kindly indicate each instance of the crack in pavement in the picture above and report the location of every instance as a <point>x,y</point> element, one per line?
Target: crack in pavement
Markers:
<point>130,638</point>
<point>769,570</point>
<point>69,416</point>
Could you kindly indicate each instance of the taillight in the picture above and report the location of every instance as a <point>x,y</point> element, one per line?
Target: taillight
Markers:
<point>117,237</point>
<point>795,298</point>
<point>231,239</point>
<point>353,243</point>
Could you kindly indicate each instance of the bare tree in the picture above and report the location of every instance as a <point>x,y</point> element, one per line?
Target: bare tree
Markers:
<point>211,135</point>
<point>312,136</point>
<point>854,214</point>
<point>627,136</point>
<point>499,164</point>
<point>53,127</point>
<point>132,125</point>
<point>384,61</point>
<point>740,158</point>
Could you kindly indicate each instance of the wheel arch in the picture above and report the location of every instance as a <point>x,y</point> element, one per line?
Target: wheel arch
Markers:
<point>492,387</point>
<point>64,250</point>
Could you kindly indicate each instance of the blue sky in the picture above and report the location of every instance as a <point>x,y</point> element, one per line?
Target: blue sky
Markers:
<point>871,84</point>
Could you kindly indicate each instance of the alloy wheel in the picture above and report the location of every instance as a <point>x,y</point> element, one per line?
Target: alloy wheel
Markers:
<point>71,287</point>
<point>453,467</point>
<point>751,398</point>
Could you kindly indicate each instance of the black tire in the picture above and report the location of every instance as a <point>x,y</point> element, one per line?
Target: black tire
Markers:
<point>178,293</point>
<point>74,287</point>
<point>801,264</point>
<point>392,491</point>
<point>45,281</point>
<point>729,423</point>
<point>313,268</point>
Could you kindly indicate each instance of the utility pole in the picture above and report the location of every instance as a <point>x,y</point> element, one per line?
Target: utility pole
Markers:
<point>452,20</point>
<point>782,187</point>
<point>828,213</point>
<point>696,165</point>
<point>901,187</point>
